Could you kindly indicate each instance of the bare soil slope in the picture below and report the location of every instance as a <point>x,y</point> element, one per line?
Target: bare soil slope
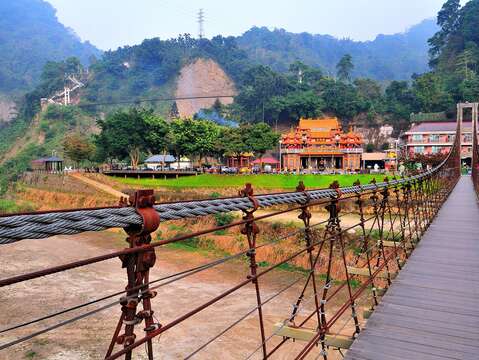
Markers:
<point>204,77</point>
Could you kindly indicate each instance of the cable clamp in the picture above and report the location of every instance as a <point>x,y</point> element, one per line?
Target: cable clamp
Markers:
<point>152,327</point>
<point>323,301</point>
<point>251,252</point>
<point>135,321</point>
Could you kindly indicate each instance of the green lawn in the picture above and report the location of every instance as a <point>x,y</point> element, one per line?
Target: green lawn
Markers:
<point>259,181</point>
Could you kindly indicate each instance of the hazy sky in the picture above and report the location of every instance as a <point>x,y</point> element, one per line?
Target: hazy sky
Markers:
<point>112,23</point>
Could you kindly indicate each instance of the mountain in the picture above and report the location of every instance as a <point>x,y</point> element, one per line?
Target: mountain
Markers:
<point>388,57</point>
<point>31,35</point>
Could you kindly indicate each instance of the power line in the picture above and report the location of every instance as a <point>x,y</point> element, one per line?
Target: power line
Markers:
<point>136,101</point>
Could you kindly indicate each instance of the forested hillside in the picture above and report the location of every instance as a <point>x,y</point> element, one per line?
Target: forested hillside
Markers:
<point>388,57</point>
<point>152,67</point>
<point>30,35</point>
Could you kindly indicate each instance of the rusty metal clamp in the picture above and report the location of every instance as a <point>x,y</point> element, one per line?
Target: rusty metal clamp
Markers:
<point>249,193</point>
<point>143,201</point>
<point>335,186</point>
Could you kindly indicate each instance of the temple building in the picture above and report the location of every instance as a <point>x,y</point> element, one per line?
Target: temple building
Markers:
<point>320,144</point>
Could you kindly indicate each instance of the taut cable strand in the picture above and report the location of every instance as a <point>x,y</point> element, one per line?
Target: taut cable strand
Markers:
<point>46,224</point>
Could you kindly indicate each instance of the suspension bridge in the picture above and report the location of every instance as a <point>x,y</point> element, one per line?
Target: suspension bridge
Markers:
<point>403,286</point>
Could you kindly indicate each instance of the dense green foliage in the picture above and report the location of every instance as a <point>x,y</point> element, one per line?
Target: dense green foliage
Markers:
<point>52,126</point>
<point>30,36</point>
<point>388,57</point>
<point>266,95</point>
<point>131,133</point>
<point>455,51</point>
<point>135,133</point>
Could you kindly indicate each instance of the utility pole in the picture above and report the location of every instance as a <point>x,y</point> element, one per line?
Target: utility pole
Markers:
<point>201,22</point>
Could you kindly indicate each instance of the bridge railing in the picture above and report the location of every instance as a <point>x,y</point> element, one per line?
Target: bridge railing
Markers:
<point>475,149</point>
<point>345,266</point>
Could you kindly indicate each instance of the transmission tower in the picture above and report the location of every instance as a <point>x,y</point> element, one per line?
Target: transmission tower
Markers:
<point>201,22</point>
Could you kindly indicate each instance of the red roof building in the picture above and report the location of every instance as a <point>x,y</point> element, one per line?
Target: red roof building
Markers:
<point>437,137</point>
<point>321,144</point>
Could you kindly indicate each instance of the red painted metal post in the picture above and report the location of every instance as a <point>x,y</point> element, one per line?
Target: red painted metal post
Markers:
<point>251,230</point>
<point>138,266</point>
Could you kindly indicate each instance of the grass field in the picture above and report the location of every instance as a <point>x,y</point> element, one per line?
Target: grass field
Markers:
<point>258,181</point>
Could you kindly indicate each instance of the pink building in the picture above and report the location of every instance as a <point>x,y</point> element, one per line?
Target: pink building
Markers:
<point>437,137</point>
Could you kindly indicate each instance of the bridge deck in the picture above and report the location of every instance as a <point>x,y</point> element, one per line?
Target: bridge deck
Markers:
<point>431,311</point>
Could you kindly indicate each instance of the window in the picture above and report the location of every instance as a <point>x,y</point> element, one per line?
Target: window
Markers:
<point>434,138</point>
<point>467,137</point>
<point>436,149</point>
<point>419,149</point>
<point>417,137</point>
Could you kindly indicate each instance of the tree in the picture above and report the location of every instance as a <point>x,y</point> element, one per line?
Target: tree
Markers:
<point>217,106</point>
<point>194,137</point>
<point>430,93</point>
<point>296,105</point>
<point>448,20</point>
<point>345,67</point>
<point>174,112</point>
<point>259,138</point>
<point>158,136</point>
<point>304,75</point>
<point>129,133</point>
<point>400,99</point>
<point>465,61</point>
<point>182,138</point>
<point>260,85</point>
<point>78,148</point>
<point>205,136</point>
<point>232,142</point>
<point>341,99</point>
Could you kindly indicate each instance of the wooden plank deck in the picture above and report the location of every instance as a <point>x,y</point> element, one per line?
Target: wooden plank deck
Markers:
<point>431,311</point>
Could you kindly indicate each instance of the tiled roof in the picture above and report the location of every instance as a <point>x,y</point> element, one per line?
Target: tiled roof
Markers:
<point>439,126</point>
<point>160,158</point>
<point>266,160</point>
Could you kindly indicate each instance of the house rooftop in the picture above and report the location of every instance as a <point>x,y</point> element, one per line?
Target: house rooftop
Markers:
<point>439,126</point>
<point>161,158</point>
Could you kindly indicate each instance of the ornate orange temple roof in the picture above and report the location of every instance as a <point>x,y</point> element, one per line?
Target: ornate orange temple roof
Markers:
<point>321,132</point>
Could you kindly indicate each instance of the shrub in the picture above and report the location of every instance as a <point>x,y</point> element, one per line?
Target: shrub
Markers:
<point>223,219</point>
<point>215,195</point>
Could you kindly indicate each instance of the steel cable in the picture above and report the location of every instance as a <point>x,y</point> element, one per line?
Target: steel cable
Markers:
<point>38,226</point>
<point>229,327</point>
<point>177,276</point>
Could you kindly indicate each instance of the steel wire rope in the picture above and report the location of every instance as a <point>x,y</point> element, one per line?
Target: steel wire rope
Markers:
<point>72,265</point>
<point>337,333</point>
<point>17,227</point>
<point>220,297</point>
<point>229,327</point>
<point>283,324</point>
<point>177,277</point>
